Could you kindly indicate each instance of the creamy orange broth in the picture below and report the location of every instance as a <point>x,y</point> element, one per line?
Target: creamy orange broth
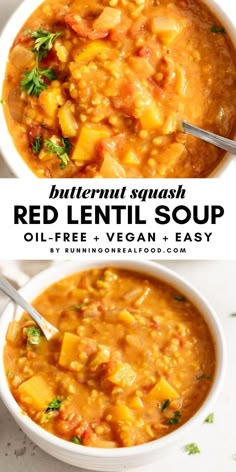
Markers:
<point>126,73</point>
<point>133,361</point>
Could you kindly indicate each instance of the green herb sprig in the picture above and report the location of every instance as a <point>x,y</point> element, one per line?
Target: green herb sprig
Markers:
<point>76,440</point>
<point>164,404</point>
<point>62,152</point>
<point>33,335</point>
<point>216,29</point>
<point>209,418</point>
<point>175,419</point>
<point>192,448</point>
<point>54,405</point>
<point>37,145</point>
<point>32,81</point>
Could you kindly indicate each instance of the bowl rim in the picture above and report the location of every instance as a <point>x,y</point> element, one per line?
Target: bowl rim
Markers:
<point>9,153</point>
<point>152,269</point>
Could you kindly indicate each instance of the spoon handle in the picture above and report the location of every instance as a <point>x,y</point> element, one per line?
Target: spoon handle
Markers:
<point>11,292</point>
<point>223,143</point>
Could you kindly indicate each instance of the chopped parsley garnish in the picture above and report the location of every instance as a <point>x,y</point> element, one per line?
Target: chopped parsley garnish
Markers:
<point>76,440</point>
<point>37,145</point>
<point>233,314</point>
<point>175,419</point>
<point>27,31</point>
<point>43,41</point>
<point>32,81</point>
<point>2,101</point>
<point>62,152</point>
<point>54,405</point>
<point>203,376</point>
<point>33,335</point>
<point>216,29</point>
<point>77,307</point>
<point>192,448</point>
<point>209,418</point>
<point>164,404</point>
<point>179,298</point>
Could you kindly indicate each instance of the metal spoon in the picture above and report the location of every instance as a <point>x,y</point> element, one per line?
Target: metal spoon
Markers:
<point>48,330</point>
<point>212,138</point>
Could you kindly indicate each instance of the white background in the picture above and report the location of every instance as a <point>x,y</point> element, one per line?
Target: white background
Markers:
<point>215,280</point>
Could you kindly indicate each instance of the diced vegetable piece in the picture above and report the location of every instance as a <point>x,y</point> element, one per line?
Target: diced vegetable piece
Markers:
<point>126,317</point>
<point>16,104</point>
<point>131,158</point>
<point>111,168</point>
<point>109,19</point>
<point>50,99</point>
<point>162,390</point>
<point>84,149</point>
<point>171,155</point>
<point>67,120</point>
<point>69,349</point>
<point>166,28</point>
<point>88,52</point>
<point>72,347</point>
<point>121,413</point>
<point>13,332</point>
<point>36,393</point>
<point>122,374</point>
<point>152,117</point>
<point>21,57</point>
<point>136,402</point>
<point>103,355</point>
<point>141,67</point>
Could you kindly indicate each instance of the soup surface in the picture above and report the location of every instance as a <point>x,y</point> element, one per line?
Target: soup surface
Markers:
<point>99,89</point>
<point>134,359</point>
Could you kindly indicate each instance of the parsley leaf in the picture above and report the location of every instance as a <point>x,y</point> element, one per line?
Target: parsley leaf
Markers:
<point>192,448</point>
<point>203,376</point>
<point>233,314</point>
<point>175,418</point>
<point>77,307</point>
<point>44,41</point>
<point>33,335</point>
<point>179,298</point>
<point>76,439</point>
<point>164,404</point>
<point>216,29</point>
<point>54,405</point>
<point>209,418</point>
<point>62,152</point>
<point>37,145</point>
<point>32,81</point>
<point>2,101</point>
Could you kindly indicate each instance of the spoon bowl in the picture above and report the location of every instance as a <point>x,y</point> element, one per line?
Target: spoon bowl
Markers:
<point>223,143</point>
<point>47,328</point>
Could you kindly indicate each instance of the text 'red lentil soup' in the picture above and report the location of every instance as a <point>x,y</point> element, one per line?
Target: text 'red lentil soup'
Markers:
<point>98,89</point>
<point>134,359</point>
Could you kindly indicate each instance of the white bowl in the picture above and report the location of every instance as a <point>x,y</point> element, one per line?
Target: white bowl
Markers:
<point>121,458</point>
<point>222,9</point>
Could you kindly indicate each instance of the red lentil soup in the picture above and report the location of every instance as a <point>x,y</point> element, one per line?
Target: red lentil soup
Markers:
<point>134,359</point>
<point>108,83</point>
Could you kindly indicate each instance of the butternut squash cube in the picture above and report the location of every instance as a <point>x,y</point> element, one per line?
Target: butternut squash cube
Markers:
<point>84,148</point>
<point>162,391</point>
<point>69,349</point>
<point>67,120</point>
<point>89,52</point>
<point>122,375</point>
<point>110,168</point>
<point>36,393</point>
<point>121,413</point>
<point>152,117</point>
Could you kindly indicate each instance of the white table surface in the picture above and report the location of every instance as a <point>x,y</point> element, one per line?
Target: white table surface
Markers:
<point>217,441</point>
